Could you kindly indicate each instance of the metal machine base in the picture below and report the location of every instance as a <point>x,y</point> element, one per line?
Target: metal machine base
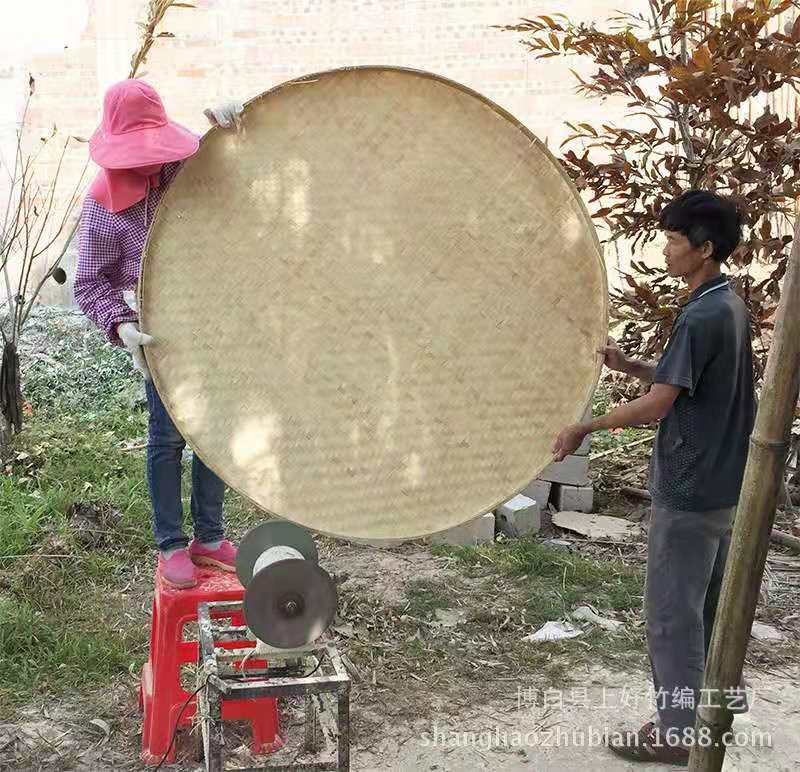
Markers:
<point>327,691</point>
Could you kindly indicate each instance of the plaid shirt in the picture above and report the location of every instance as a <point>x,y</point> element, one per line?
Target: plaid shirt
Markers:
<point>110,255</point>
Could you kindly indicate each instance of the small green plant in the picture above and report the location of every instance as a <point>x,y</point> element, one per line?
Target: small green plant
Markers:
<point>21,517</point>
<point>424,596</point>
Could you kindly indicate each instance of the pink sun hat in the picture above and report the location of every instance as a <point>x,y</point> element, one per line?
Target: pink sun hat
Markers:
<point>136,131</point>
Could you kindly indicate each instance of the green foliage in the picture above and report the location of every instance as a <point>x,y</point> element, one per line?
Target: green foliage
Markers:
<point>691,75</point>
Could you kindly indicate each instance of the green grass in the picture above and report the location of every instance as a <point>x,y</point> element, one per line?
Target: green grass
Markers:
<point>424,596</point>
<point>21,515</point>
<point>64,621</point>
<point>58,462</point>
<point>537,584</point>
<point>555,581</point>
<point>42,649</point>
<point>54,634</point>
<point>55,630</point>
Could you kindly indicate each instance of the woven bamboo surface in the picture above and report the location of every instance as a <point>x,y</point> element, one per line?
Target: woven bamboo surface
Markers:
<point>375,307</point>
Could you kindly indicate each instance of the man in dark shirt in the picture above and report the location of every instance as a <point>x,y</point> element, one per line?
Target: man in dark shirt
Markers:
<point>703,398</point>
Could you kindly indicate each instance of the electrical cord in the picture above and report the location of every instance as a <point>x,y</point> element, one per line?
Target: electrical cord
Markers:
<point>192,696</point>
<point>308,675</point>
<point>178,721</point>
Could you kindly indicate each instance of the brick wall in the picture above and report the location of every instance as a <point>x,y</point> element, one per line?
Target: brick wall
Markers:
<point>240,48</point>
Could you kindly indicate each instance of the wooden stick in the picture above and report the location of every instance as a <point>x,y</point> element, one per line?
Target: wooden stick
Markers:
<point>636,493</point>
<point>763,481</point>
<point>776,536</point>
<point>786,539</point>
<point>626,446</point>
<point>141,446</point>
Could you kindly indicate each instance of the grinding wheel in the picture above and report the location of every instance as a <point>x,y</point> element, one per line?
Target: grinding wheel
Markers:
<point>273,533</point>
<point>290,603</point>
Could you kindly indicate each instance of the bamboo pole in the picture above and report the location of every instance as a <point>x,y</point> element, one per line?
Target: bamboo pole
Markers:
<point>763,480</point>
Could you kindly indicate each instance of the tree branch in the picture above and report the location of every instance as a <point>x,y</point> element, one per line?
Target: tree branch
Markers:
<point>680,119</point>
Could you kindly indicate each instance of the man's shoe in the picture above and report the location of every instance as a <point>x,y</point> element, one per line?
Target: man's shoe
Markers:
<point>649,745</point>
<point>177,570</point>
<point>223,557</point>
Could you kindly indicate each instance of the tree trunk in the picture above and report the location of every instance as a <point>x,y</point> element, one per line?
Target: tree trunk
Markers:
<point>763,481</point>
<point>10,394</point>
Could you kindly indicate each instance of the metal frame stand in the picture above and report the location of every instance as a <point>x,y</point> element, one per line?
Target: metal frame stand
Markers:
<point>327,720</point>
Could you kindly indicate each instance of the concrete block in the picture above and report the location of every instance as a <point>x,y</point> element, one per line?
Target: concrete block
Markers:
<point>573,498</point>
<point>484,528</point>
<point>477,531</point>
<point>539,491</point>
<point>520,516</point>
<point>585,448</point>
<point>573,470</point>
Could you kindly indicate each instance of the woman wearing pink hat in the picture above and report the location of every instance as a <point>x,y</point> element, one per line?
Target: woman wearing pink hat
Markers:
<point>139,151</point>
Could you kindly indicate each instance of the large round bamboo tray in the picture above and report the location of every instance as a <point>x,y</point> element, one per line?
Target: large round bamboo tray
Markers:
<point>375,307</point>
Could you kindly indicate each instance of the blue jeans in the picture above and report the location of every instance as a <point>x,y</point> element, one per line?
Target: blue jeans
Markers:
<point>164,453</point>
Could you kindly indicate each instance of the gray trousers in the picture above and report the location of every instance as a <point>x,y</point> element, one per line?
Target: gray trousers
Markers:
<point>686,554</point>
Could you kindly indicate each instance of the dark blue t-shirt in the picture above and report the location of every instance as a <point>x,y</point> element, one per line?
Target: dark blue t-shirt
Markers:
<point>701,445</point>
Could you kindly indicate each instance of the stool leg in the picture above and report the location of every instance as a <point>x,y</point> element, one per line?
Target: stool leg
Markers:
<point>265,728</point>
<point>146,701</point>
<point>160,729</point>
<point>160,712</point>
<point>150,652</point>
<point>147,696</point>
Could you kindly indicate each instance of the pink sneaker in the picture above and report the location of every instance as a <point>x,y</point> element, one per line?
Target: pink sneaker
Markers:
<point>223,557</point>
<point>177,569</point>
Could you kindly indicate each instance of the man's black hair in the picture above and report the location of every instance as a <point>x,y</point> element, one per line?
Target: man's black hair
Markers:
<point>702,216</point>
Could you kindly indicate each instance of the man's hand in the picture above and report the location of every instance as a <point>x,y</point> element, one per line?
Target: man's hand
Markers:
<point>569,440</point>
<point>133,339</point>
<point>226,116</point>
<point>613,358</point>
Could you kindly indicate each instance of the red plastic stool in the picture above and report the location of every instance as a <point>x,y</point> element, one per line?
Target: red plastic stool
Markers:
<point>161,696</point>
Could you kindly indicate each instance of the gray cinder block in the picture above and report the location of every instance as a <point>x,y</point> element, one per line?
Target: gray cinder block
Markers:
<point>477,531</point>
<point>573,470</point>
<point>539,491</point>
<point>573,498</point>
<point>520,516</point>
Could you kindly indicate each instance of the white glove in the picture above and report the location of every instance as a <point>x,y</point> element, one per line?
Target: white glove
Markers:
<point>133,339</point>
<point>226,116</point>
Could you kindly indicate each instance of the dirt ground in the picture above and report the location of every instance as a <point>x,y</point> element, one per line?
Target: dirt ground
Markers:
<point>430,722</point>
<point>516,732</point>
<point>512,735</point>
